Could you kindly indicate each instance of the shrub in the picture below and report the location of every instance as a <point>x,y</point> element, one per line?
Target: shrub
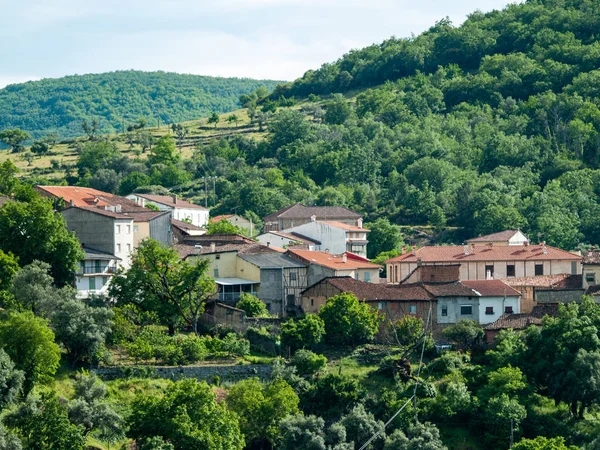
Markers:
<point>253,306</point>
<point>307,362</point>
<point>305,333</point>
<point>348,321</point>
<point>193,348</point>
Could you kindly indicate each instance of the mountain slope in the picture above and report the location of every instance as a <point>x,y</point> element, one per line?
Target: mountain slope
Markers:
<point>116,99</point>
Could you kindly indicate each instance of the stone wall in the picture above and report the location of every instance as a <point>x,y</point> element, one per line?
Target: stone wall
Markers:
<point>207,373</point>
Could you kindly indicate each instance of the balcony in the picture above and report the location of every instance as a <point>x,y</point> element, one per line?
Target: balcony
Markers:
<point>101,270</point>
<point>233,297</point>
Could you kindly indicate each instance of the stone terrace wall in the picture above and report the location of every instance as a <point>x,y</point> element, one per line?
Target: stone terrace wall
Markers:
<point>207,373</point>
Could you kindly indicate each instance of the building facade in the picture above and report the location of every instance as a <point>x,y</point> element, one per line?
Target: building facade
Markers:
<point>95,272</point>
<point>335,237</point>
<point>298,214</point>
<point>180,209</point>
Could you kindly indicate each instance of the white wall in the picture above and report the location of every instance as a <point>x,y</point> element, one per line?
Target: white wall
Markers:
<point>82,284</point>
<point>198,217</point>
<point>123,229</point>
<point>498,303</point>
<point>331,238</point>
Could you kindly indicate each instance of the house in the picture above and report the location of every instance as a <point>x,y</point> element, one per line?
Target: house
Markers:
<point>335,237</point>
<point>488,261</point>
<point>393,302</point>
<point>547,289</point>
<point>519,322</point>
<point>104,230</point>
<point>180,209</point>
<point>184,230</point>
<point>591,269</point>
<point>147,223</point>
<point>283,240</point>
<point>95,272</point>
<point>282,279</point>
<point>507,237</point>
<point>241,222</point>
<point>322,265</point>
<point>298,214</point>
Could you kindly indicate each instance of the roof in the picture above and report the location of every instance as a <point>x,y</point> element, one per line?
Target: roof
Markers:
<point>233,281</point>
<point>593,290</point>
<point>184,226</point>
<point>97,254</point>
<point>561,281</point>
<point>453,289</point>
<point>492,288</point>
<point>522,321</point>
<point>495,237</point>
<point>85,196</point>
<point>144,216</point>
<point>485,253</point>
<point>344,226</point>
<point>373,291</point>
<point>100,211</point>
<point>271,260</point>
<point>187,248</point>
<point>171,201</point>
<point>299,211</point>
<point>221,217</point>
<point>294,237</point>
<point>335,262</point>
<point>591,257</point>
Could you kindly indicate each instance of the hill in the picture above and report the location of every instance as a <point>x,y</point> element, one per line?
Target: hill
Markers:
<point>117,99</point>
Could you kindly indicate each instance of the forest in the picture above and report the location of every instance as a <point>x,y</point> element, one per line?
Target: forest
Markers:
<point>117,99</point>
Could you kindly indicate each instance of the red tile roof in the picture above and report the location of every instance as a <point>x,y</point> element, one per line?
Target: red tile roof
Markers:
<point>495,237</point>
<point>492,288</point>
<point>344,226</point>
<point>217,219</point>
<point>85,196</point>
<point>375,292</point>
<point>591,257</point>
<point>455,289</point>
<point>485,253</point>
<point>522,321</point>
<point>558,282</point>
<point>299,211</point>
<point>335,262</point>
<point>170,201</point>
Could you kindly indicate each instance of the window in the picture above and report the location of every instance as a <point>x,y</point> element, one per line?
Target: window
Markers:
<point>444,310</point>
<point>118,229</point>
<point>508,310</point>
<point>380,305</point>
<point>218,257</point>
<point>92,283</point>
<point>590,278</point>
<point>573,267</point>
<point>293,276</point>
<point>466,310</point>
<point>291,299</point>
<point>104,281</point>
<point>510,270</point>
<point>118,248</point>
<point>128,248</point>
<point>97,268</point>
<point>539,269</point>
<point>128,229</point>
<point>368,277</point>
<point>216,273</point>
<point>489,271</point>
<point>136,228</point>
<point>312,302</point>
<point>412,310</point>
<point>356,275</point>
<point>489,310</point>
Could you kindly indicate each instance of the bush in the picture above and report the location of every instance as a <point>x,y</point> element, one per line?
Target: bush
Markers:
<point>305,333</point>
<point>253,306</point>
<point>262,341</point>
<point>192,348</point>
<point>446,364</point>
<point>307,362</point>
<point>348,321</point>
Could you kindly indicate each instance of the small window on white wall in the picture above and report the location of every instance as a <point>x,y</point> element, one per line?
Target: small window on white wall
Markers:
<point>118,229</point>
<point>118,248</point>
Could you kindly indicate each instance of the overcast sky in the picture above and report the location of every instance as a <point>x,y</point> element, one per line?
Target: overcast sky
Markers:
<point>276,39</point>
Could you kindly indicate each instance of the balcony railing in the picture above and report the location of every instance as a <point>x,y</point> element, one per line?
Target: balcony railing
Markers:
<point>232,297</point>
<point>95,269</point>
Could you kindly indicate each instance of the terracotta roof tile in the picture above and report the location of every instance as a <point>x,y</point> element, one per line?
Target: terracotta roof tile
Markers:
<point>558,282</point>
<point>492,288</point>
<point>85,196</point>
<point>376,292</point>
<point>184,226</point>
<point>485,253</point>
<point>299,211</point>
<point>522,321</point>
<point>500,236</point>
<point>454,289</point>
<point>217,219</point>
<point>169,201</point>
<point>335,262</point>
<point>592,257</point>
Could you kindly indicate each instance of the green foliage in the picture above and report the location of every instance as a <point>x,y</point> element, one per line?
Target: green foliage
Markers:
<point>97,155</point>
<point>422,436</point>
<point>29,342</point>
<point>348,321</point>
<point>44,424</point>
<point>223,226</point>
<point>11,381</point>
<point>164,152</point>
<point>8,441</point>
<point>465,334</point>
<point>13,138</point>
<point>253,306</point>
<point>307,362</point>
<point>337,110</point>
<point>384,237</point>
<point>498,415</point>
<point>304,333</point>
<point>331,396</point>
<point>60,105</point>
<point>213,119</point>
<point>187,416</point>
<point>543,443</point>
<point>43,236</point>
<point>8,268</point>
<point>261,407</point>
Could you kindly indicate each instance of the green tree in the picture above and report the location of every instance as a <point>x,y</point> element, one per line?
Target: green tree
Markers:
<point>307,362</point>
<point>32,231</point>
<point>223,226</point>
<point>40,148</point>
<point>253,306</point>
<point>261,407</point>
<point>187,416</point>
<point>383,237</point>
<point>14,138</point>
<point>232,118</point>
<point>164,152</point>
<point>9,266</point>
<point>90,128</point>
<point>97,155</point>
<point>8,441</point>
<point>133,181</point>
<point>466,334</point>
<point>499,415</point>
<point>304,333</point>
<point>29,342</point>
<point>348,321</point>
<point>422,436</point>
<point>33,286</point>
<point>214,118</point>
<point>159,281</point>
<point>44,424</point>
<point>11,381</point>
<point>337,110</point>
<point>360,425</point>
<point>543,443</point>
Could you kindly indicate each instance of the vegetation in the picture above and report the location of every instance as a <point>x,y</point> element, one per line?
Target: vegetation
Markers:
<point>116,100</point>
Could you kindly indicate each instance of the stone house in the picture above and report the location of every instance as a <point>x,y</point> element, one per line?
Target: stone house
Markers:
<point>297,214</point>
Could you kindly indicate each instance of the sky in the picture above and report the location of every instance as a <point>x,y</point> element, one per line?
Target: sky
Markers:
<point>274,39</point>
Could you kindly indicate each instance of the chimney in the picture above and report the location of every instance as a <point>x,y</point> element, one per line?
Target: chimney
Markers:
<point>466,249</point>
<point>419,261</point>
<point>527,243</point>
<point>403,250</point>
<point>213,247</point>
<point>175,198</point>
<point>198,248</point>
<point>414,250</point>
<point>472,249</point>
<point>71,202</point>
<point>268,244</point>
<point>313,218</point>
<point>359,222</point>
<point>544,248</point>
<point>118,208</point>
<point>344,258</point>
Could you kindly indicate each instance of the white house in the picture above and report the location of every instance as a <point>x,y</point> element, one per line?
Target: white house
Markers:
<point>506,237</point>
<point>334,237</point>
<point>95,272</point>
<point>280,239</point>
<point>180,209</point>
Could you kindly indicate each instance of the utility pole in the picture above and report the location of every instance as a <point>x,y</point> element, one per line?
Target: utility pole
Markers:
<point>215,190</point>
<point>205,192</point>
